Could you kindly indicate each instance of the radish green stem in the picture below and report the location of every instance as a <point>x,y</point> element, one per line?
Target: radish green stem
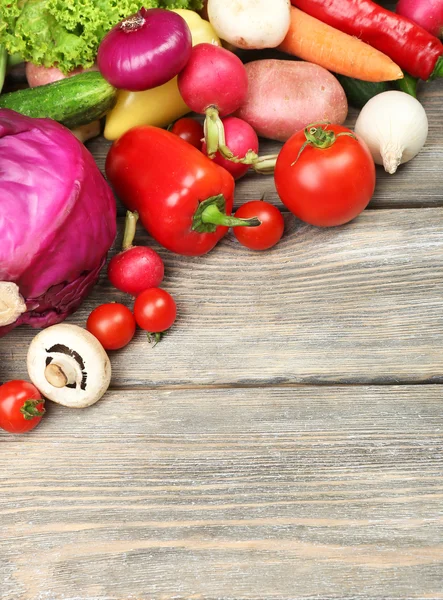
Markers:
<point>130,227</point>
<point>215,139</point>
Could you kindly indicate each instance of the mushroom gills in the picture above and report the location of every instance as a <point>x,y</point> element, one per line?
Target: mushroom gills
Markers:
<point>69,365</point>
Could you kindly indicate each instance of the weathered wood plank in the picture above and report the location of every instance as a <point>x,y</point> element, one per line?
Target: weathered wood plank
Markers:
<point>258,493</point>
<point>360,303</point>
<point>418,183</point>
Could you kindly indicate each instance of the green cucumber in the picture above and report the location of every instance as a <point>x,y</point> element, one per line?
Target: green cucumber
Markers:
<point>359,92</point>
<point>73,101</point>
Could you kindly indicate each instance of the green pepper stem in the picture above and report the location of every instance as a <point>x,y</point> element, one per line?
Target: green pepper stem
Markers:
<point>408,85</point>
<point>438,69</point>
<point>130,228</point>
<point>211,214</point>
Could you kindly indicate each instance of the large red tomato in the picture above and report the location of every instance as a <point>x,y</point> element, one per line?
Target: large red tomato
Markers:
<point>325,175</point>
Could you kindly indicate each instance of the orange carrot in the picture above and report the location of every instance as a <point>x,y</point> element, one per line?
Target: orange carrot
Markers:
<point>314,41</point>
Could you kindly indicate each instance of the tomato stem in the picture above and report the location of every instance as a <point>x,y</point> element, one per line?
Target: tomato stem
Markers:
<point>320,138</point>
<point>130,228</point>
<point>29,409</point>
<point>155,337</point>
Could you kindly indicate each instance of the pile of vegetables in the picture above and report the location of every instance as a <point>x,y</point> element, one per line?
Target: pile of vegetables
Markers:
<point>142,66</point>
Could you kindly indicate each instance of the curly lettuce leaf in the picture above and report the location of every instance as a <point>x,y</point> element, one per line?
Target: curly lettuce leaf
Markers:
<point>66,33</point>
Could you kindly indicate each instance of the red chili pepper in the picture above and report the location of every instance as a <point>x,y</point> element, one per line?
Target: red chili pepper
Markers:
<point>184,200</point>
<point>412,48</point>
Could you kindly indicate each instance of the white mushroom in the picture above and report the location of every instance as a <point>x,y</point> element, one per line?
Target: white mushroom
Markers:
<point>69,365</point>
<point>12,304</point>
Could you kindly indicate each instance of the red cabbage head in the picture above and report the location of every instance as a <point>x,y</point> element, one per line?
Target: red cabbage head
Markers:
<point>57,221</point>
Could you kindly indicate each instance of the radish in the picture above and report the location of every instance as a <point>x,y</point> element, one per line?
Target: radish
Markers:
<point>214,83</point>
<point>241,140</point>
<point>135,268</point>
<point>426,13</point>
<point>250,24</point>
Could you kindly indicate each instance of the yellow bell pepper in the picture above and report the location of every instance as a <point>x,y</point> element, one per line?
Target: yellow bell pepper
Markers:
<point>161,105</point>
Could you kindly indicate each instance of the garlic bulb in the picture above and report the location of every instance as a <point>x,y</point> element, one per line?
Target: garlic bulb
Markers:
<point>394,125</point>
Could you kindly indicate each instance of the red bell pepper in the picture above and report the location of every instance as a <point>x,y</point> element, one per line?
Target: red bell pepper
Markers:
<point>412,48</point>
<point>183,198</point>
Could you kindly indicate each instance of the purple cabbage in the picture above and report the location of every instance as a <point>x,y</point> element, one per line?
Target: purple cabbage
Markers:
<point>57,218</point>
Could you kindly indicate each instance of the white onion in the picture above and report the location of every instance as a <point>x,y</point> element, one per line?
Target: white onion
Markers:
<point>250,24</point>
<point>394,125</point>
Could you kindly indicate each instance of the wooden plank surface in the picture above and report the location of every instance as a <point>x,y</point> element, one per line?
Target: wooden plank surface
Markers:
<point>360,303</point>
<point>246,457</point>
<point>325,492</point>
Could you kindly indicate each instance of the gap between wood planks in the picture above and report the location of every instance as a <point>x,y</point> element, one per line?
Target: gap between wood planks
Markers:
<point>270,385</point>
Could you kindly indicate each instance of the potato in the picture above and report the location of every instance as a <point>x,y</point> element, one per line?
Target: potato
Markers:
<point>285,96</point>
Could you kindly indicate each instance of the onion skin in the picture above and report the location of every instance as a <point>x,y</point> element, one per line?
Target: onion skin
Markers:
<point>426,13</point>
<point>145,50</point>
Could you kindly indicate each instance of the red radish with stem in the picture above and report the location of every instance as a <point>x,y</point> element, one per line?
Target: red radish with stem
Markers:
<point>242,140</point>
<point>426,13</point>
<point>214,83</point>
<point>135,268</point>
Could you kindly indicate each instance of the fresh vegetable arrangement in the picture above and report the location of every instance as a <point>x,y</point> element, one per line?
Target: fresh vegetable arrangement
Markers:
<point>143,66</point>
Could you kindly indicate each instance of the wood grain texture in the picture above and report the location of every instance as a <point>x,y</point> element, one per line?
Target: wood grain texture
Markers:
<point>214,469</point>
<point>214,494</point>
<point>361,303</point>
<point>418,183</point>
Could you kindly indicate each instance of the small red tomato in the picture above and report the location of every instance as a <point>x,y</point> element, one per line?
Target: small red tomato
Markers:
<point>21,406</point>
<point>189,130</point>
<point>155,310</point>
<point>325,175</point>
<point>265,235</point>
<point>112,324</point>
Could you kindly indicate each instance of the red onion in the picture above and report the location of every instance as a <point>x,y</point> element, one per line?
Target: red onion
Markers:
<point>145,50</point>
<point>426,13</point>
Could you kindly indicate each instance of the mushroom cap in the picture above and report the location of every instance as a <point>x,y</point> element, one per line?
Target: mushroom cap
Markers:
<point>79,354</point>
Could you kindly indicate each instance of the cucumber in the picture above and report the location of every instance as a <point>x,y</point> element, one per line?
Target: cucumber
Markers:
<point>73,101</point>
<point>359,92</point>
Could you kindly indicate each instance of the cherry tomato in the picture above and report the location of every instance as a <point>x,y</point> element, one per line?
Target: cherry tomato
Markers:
<point>263,236</point>
<point>155,310</point>
<point>21,406</point>
<point>189,130</point>
<point>112,324</point>
<point>328,185</point>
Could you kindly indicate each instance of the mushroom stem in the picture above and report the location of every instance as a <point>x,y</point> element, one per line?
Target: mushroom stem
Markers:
<point>55,376</point>
<point>60,373</point>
